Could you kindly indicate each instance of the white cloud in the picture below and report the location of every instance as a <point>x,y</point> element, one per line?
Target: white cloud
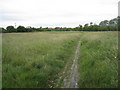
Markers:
<point>52,13</point>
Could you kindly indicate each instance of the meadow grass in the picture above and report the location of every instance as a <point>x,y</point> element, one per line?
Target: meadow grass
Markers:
<point>98,61</point>
<point>39,59</point>
<point>36,59</point>
<point>0,61</point>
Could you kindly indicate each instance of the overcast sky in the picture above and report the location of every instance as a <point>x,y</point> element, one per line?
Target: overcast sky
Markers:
<point>56,13</point>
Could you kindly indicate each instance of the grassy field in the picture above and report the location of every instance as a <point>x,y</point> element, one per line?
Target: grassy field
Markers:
<point>39,59</point>
<point>36,59</point>
<point>98,62</point>
<point>0,61</point>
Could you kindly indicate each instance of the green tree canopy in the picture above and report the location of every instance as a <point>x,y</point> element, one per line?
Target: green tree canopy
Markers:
<point>10,29</point>
<point>21,29</point>
<point>105,22</point>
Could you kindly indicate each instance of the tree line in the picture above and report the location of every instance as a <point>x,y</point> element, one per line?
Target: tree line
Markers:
<point>106,25</point>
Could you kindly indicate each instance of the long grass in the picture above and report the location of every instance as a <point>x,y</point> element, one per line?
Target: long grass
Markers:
<point>98,62</point>
<point>36,59</point>
<point>0,61</point>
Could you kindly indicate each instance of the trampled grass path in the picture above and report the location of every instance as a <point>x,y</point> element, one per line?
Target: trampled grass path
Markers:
<point>71,80</point>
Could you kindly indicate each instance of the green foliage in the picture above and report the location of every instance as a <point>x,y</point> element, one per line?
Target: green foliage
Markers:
<point>2,30</point>
<point>21,29</point>
<point>98,66</point>
<point>105,22</point>
<point>35,60</point>
<point>106,25</point>
<point>118,23</point>
<point>11,29</point>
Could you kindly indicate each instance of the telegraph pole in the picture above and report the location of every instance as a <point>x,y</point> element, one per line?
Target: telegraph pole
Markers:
<point>15,25</point>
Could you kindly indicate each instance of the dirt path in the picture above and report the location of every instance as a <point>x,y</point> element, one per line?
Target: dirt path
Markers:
<point>71,80</point>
